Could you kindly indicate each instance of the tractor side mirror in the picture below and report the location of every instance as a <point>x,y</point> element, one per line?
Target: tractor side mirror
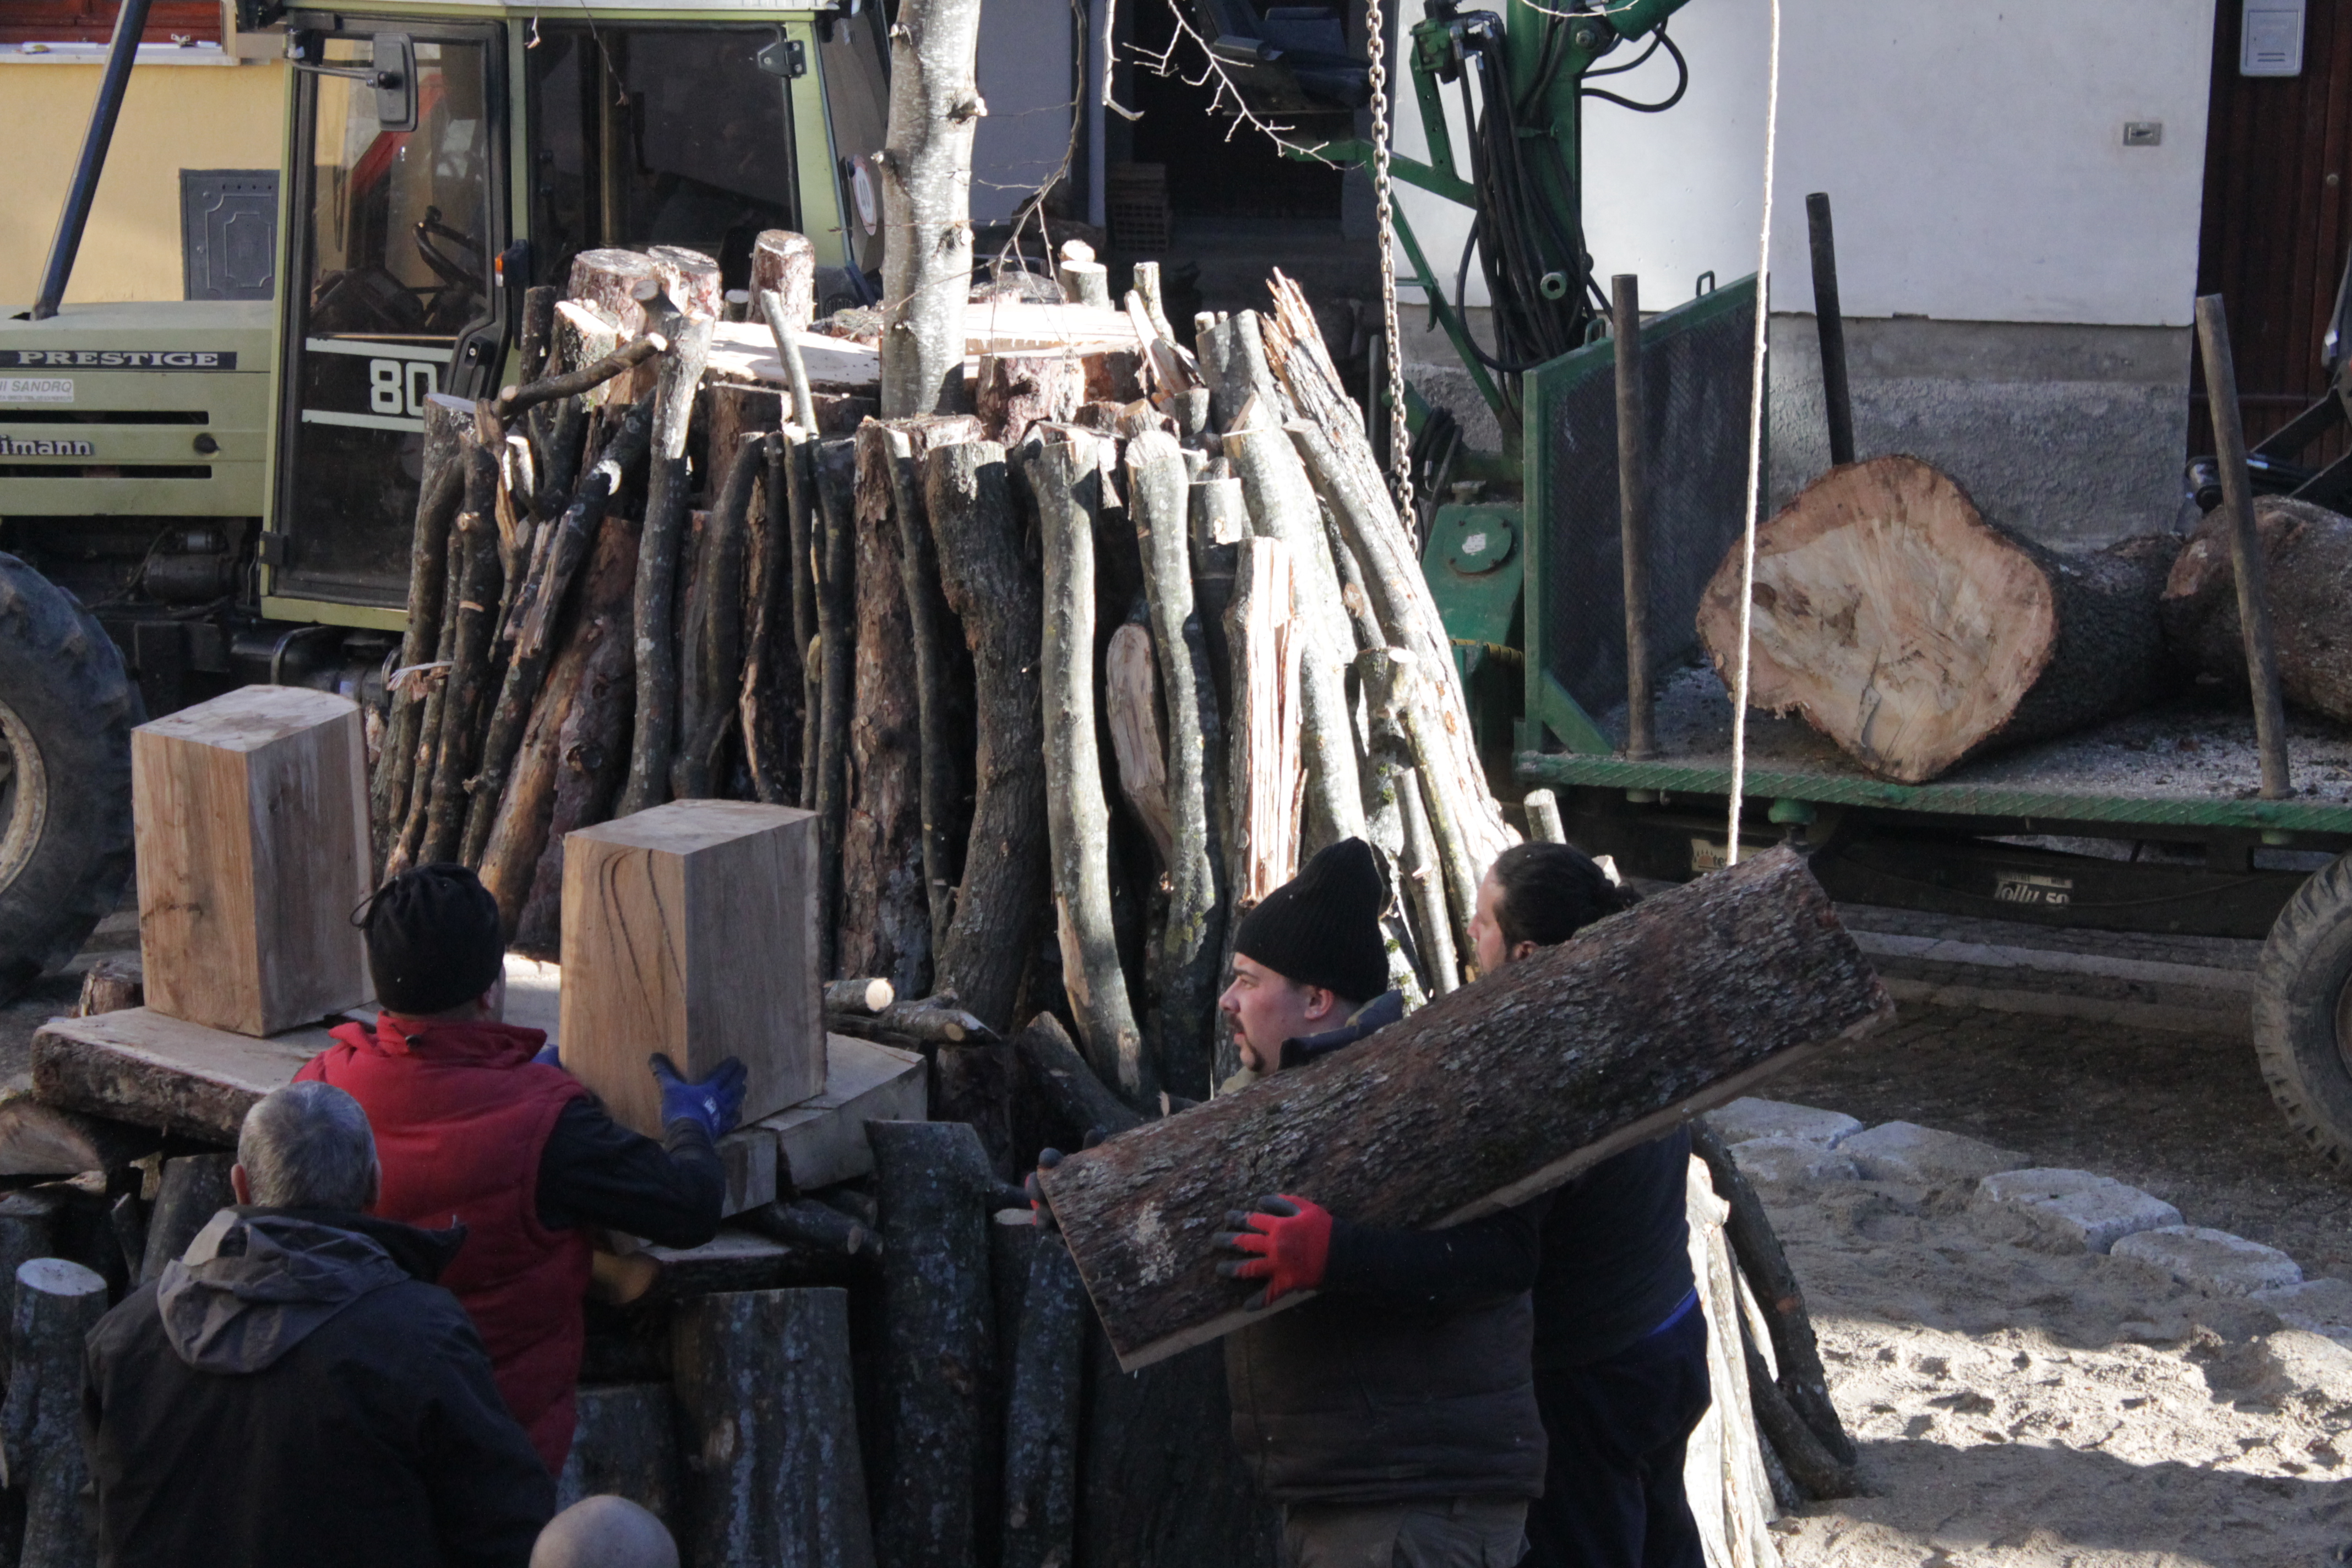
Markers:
<point>395,81</point>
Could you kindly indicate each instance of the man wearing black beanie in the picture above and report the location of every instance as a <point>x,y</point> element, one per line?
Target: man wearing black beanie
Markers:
<point>475,1123</point>
<point>1394,1415</point>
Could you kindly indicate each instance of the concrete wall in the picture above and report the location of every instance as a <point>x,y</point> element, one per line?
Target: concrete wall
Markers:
<point>1973,151</point>
<point>174,117</point>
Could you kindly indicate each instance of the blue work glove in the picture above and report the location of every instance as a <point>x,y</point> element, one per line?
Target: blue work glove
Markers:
<point>551,1054</point>
<point>716,1103</point>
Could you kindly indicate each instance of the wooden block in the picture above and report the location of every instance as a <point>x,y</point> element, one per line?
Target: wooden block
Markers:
<point>738,1259</point>
<point>140,1066</point>
<point>822,1140</point>
<point>252,834</point>
<point>748,1155</point>
<point>624,1446</point>
<point>691,930</point>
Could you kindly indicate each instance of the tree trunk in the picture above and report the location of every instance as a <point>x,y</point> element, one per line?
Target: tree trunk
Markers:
<point>440,487</point>
<point>1282,506</point>
<point>627,1445</point>
<point>991,584</point>
<point>771,726</point>
<point>194,1188</point>
<point>575,535</point>
<point>590,749</point>
<point>1069,481</point>
<point>38,1138</point>
<point>973,1083</point>
<point>1480,1100</point>
<point>1018,392</point>
<point>712,633</point>
<point>926,168</point>
<point>58,1303</point>
<point>1915,634</point>
<point>1185,968</point>
<point>607,279</point>
<point>1163,1485</point>
<point>1041,1414</point>
<point>1068,1087</point>
<point>835,466</point>
<point>770,1428</point>
<point>932,1178</point>
<point>654,737</point>
<point>475,536</point>
<point>2307,560</point>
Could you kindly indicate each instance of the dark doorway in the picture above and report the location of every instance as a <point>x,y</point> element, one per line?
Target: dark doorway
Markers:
<point>1210,174</point>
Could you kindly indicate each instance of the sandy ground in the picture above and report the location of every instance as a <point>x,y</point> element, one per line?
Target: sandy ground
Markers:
<point>2028,1409</point>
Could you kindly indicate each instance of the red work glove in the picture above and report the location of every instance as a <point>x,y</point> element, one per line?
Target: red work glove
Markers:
<point>1288,1240</point>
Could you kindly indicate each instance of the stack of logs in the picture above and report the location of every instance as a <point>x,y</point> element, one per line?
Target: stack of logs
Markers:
<point>1179,582</point>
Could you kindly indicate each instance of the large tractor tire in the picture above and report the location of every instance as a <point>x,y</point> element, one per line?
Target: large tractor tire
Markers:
<point>2303,1013</point>
<point>67,709</point>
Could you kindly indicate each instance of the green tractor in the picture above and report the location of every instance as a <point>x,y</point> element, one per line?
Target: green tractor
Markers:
<point>199,494</point>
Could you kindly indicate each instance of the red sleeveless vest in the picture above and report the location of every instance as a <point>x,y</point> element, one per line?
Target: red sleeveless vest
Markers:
<point>461,1115</point>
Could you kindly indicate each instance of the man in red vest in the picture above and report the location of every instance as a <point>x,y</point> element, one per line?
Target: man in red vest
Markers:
<point>475,1124</point>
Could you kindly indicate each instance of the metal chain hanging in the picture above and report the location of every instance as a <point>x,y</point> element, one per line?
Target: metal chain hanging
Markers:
<point>1399,437</point>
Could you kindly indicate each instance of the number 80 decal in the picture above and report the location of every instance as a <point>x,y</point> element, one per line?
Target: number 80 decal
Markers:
<point>401,386</point>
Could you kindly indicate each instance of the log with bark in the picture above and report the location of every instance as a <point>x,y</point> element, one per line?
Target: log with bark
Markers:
<point>1060,1078</point>
<point>1069,480</point>
<point>473,554</point>
<point>654,640</point>
<point>110,985</point>
<point>973,1083</point>
<point>1017,392</point>
<point>835,466</point>
<point>1173,1422</point>
<point>567,763</point>
<point>1043,1385</point>
<point>41,1457</point>
<point>440,489</point>
<point>38,1138</point>
<point>1482,1098</point>
<point>2308,555</point>
<point>1915,632</point>
<point>932,1178</point>
<point>192,1189</point>
<point>785,263</point>
<point>769,709</point>
<point>1266,781</point>
<point>767,1419</point>
<point>993,586</point>
<point>711,633</point>
<point>926,169</point>
<point>1131,715</point>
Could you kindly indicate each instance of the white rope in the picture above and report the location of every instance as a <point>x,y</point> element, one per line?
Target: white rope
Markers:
<point>1755,454</point>
<point>1384,210</point>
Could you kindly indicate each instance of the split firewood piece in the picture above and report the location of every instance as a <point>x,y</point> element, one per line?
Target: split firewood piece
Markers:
<point>1085,281</point>
<point>1297,354</point>
<point>1481,1099</point>
<point>191,1190</point>
<point>773,728</point>
<point>785,263</point>
<point>440,489</point>
<point>1265,769</point>
<point>1131,707</point>
<point>1234,364</point>
<point>713,631</point>
<point>2307,557</point>
<point>1019,390</point>
<point>586,335</point>
<point>41,1458</point>
<point>475,543</point>
<point>1155,303</point>
<point>575,751</point>
<point>1041,1413</point>
<point>932,1178</point>
<point>767,1412</point>
<point>1407,617</point>
<point>1915,634</point>
<point>1730,1474</point>
<point>1163,362</point>
<point>990,586</point>
<point>835,469</point>
<point>654,737</point>
<point>1283,506</point>
<point>1186,976</point>
<point>1392,802</point>
<point>1069,479</point>
<point>1219,519</point>
<point>569,545</point>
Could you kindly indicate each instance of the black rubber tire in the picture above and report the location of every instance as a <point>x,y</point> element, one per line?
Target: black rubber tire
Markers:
<point>65,700</point>
<point>2297,991</point>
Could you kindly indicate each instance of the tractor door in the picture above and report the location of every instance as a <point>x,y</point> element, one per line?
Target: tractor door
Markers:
<point>395,225</point>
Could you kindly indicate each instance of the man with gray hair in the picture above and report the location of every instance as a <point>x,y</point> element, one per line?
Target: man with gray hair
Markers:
<point>295,1390</point>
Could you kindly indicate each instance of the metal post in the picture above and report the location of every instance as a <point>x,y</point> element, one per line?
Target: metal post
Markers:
<point>2245,547</point>
<point>129,23</point>
<point>1832,324</point>
<point>1633,510</point>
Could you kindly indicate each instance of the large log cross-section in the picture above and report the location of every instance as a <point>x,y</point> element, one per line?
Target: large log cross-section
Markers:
<point>1485,1098</point>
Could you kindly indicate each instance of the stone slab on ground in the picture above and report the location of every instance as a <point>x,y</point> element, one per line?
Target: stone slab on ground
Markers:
<point>1749,1117</point>
<point>2067,1209</point>
<point>1922,1156</point>
<point>2212,1260</point>
<point>2315,1306</point>
<point>1780,1161</point>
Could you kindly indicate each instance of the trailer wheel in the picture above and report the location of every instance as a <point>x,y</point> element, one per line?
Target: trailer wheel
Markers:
<point>2303,1013</point>
<point>66,712</point>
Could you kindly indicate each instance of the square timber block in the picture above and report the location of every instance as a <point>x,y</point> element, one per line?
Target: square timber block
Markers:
<point>691,929</point>
<point>250,821</point>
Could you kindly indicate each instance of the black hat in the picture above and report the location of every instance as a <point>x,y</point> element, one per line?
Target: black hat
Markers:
<point>1323,926</point>
<point>432,940</point>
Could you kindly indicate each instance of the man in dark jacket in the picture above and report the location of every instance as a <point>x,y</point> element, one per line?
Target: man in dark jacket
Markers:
<point>1393,1417</point>
<point>479,1124</point>
<point>296,1391</point>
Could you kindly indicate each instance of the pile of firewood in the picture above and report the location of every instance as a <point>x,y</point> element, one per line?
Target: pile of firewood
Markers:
<point>1131,574</point>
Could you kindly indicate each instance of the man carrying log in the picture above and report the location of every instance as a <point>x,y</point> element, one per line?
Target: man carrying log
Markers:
<point>1620,1341</point>
<point>1394,1416</point>
<point>479,1123</point>
<point>296,1389</point>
